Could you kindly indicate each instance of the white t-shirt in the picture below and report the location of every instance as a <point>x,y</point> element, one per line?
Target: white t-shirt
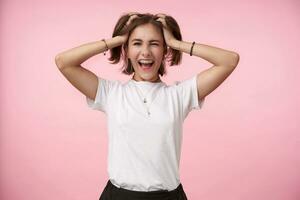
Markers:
<point>144,150</point>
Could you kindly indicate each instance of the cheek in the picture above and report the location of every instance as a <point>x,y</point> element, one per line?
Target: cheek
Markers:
<point>158,52</point>
<point>133,53</point>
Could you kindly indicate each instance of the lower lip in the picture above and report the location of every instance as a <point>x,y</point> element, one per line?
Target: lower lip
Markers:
<point>146,68</point>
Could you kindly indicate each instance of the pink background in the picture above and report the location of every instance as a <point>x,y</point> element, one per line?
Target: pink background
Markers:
<point>243,144</point>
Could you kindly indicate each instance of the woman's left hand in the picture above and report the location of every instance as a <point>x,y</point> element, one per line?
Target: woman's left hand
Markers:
<point>169,38</point>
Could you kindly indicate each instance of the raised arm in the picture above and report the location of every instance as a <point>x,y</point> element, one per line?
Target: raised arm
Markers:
<point>69,63</point>
<point>224,62</point>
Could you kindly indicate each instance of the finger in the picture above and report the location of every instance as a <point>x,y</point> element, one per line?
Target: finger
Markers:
<point>131,18</point>
<point>162,21</point>
<point>160,15</point>
<point>132,13</point>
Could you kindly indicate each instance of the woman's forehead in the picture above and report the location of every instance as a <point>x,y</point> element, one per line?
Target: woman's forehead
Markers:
<point>146,32</point>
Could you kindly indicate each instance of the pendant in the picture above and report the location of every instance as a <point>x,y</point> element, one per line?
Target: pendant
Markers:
<point>145,101</point>
<point>148,112</point>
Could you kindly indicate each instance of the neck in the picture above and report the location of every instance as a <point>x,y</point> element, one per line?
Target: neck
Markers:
<point>153,81</point>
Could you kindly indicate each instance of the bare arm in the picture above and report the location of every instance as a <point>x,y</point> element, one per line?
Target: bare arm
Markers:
<point>69,63</point>
<point>77,55</point>
<point>224,62</point>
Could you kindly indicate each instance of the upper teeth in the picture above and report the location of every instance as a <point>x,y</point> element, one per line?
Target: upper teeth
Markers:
<point>146,61</point>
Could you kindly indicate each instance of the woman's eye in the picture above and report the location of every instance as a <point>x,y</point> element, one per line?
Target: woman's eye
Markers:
<point>151,44</point>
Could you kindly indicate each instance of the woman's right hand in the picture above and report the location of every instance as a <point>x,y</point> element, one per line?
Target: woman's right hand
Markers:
<point>132,15</point>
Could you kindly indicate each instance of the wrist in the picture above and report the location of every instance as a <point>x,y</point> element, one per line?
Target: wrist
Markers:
<point>121,39</point>
<point>114,42</point>
<point>175,44</point>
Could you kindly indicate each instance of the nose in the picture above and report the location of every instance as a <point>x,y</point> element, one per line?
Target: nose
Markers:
<point>145,51</point>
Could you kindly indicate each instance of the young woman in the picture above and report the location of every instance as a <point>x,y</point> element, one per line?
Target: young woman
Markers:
<point>145,116</point>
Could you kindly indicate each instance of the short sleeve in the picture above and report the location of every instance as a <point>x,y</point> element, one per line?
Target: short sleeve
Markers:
<point>188,93</point>
<point>103,90</point>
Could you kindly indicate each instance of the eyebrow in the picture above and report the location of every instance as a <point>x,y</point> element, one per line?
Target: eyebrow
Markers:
<point>136,39</point>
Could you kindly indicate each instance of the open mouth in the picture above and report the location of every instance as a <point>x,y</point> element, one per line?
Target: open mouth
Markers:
<point>146,66</point>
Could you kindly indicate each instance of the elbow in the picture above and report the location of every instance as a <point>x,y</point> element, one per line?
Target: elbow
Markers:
<point>235,59</point>
<point>59,61</point>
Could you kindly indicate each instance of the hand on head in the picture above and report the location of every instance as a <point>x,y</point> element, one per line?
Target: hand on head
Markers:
<point>132,15</point>
<point>168,36</point>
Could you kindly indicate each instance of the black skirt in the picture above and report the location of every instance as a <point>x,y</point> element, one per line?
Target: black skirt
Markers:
<point>112,192</point>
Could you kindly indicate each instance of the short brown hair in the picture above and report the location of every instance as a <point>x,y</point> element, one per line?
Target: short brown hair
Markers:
<point>173,56</point>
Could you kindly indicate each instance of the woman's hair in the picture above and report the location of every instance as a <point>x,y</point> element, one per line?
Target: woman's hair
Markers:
<point>173,56</point>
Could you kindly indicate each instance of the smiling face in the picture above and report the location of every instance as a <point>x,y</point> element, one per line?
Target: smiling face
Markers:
<point>145,46</point>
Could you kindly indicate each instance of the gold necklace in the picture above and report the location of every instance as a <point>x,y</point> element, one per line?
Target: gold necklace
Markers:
<point>146,103</point>
<point>143,96</point>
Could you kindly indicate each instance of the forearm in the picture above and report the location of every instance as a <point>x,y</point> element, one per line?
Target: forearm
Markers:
<point>214,55</point>
<point>77,55</point>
